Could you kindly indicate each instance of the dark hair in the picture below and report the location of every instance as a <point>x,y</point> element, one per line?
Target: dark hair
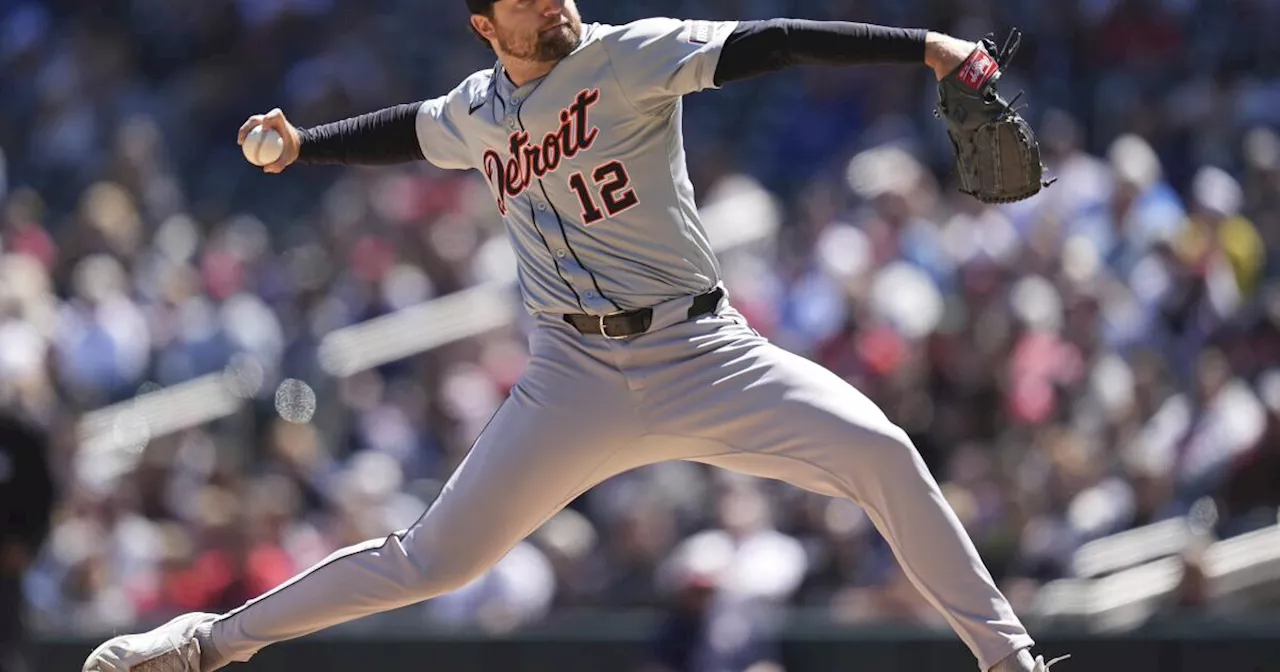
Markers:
<point>483,8</point>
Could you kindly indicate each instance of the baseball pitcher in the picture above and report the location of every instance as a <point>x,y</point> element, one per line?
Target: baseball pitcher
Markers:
<point>637,355</point>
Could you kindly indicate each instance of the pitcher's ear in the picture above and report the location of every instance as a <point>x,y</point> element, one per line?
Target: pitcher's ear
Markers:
<point>483,28</point>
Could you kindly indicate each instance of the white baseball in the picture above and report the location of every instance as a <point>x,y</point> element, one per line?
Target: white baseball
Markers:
<point>263,146</point>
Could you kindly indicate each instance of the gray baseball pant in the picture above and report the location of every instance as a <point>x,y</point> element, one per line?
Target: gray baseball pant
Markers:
<point>708,390</point>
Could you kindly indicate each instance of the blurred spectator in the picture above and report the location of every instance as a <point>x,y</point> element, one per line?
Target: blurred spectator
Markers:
<point>699,632</point>
<point>26,502</point>
<point>516,592</point>
<point>723,586</point>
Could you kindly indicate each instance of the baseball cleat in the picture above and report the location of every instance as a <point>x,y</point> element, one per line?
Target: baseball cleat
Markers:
<point>171,647</point>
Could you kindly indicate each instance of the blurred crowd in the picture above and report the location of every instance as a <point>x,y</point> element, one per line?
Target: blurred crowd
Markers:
<point>1101,356</point>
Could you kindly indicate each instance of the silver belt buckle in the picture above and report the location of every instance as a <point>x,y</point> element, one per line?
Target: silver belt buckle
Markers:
<point>605,333</point>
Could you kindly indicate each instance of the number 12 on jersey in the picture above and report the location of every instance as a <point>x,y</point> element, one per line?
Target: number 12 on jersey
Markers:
<point>614,185</point>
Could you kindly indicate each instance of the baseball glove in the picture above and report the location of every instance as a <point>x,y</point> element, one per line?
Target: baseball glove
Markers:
<point>997,156</point>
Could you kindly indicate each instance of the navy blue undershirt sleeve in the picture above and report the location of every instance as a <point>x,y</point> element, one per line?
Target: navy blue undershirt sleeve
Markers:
<point>760,47</point>
<point>387,136</point>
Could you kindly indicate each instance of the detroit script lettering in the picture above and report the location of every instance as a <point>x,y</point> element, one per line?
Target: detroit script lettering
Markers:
<point>528,161</point>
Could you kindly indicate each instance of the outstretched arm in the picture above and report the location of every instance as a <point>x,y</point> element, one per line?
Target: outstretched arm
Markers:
<point>760,47</point>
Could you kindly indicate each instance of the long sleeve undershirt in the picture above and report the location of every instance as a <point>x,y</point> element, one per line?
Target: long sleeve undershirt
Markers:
<point>760,47</point>
<point>387,136</point>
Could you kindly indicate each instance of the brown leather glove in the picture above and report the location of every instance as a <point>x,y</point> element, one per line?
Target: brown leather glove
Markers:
<point>997,155</point>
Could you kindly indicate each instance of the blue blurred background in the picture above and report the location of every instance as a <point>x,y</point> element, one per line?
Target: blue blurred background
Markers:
<point>1102,358</point>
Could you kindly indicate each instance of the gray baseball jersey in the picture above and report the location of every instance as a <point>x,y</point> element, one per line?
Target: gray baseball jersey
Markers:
<point>587,169</point>
<point>587,165</point>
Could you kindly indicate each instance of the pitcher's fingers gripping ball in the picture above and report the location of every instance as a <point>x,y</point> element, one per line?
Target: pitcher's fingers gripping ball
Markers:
<point>263,146</point>
<point>269,141</point>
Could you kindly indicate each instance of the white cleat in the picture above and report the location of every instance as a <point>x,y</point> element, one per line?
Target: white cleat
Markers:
<point>171,647</point>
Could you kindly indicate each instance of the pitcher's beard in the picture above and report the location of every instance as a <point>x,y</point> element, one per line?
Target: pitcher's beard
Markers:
<point>556,44</point>
<point>551,46</point>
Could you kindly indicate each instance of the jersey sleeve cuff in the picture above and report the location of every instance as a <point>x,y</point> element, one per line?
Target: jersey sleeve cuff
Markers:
<point>713,35</point>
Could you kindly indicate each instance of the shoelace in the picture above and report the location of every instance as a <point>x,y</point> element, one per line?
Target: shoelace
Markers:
<point>1055,661</point>
<point>177,648</point>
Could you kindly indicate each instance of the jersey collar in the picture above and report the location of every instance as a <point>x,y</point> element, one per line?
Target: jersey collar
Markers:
<point>503,89</point>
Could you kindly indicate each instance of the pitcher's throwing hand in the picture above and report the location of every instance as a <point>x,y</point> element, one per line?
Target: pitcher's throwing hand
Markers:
<point>276,121</point>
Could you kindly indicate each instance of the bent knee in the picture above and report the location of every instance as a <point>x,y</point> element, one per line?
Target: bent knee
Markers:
<point>442,569</point>
<point>865,466</point>
<point>886,455</point>
<point>434,581</point>
<point>893,446</point>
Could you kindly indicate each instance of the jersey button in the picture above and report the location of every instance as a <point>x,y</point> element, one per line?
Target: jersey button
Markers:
<point>542,206</point>
<point>590,295</point>
<point>561,253</point>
